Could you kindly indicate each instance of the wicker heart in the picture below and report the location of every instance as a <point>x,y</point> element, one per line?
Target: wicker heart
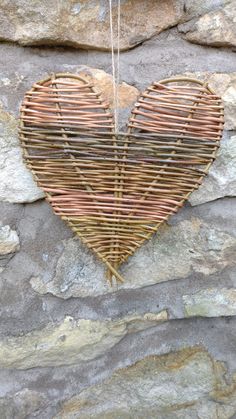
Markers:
<point>115,190</point>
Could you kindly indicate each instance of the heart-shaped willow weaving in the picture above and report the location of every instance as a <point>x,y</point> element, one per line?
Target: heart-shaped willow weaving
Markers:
<point>115,190</point>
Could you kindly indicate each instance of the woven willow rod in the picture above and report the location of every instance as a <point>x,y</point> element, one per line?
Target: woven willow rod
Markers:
<point>116,190</point>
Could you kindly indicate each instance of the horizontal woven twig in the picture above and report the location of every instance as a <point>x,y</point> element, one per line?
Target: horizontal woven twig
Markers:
<point>116,190</point>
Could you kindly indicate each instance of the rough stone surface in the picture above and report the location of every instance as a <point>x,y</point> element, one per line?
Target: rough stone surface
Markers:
<point>74,23</point>
<point>62,383</point>
<point>9,244</point>
<point>211,303</point>
<point>169,386</point>
<point>217,28</point>
<point>24,403</point>
<point>201,7</point>
<point>225,86</point>
<point>71,342</point>
<point>175,252</point>
<point>221,180</point>
<point>9,240</point>
<point>16,182</point>
<point>229,100</point>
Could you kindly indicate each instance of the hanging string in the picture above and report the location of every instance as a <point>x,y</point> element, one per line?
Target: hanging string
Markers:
<point>115,65</point>
<point>118,63</point>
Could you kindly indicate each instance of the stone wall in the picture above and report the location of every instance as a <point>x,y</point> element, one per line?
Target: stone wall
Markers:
<point>162,345</point>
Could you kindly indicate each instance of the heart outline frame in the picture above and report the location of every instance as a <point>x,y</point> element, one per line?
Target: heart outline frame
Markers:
<point>145,129</point>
